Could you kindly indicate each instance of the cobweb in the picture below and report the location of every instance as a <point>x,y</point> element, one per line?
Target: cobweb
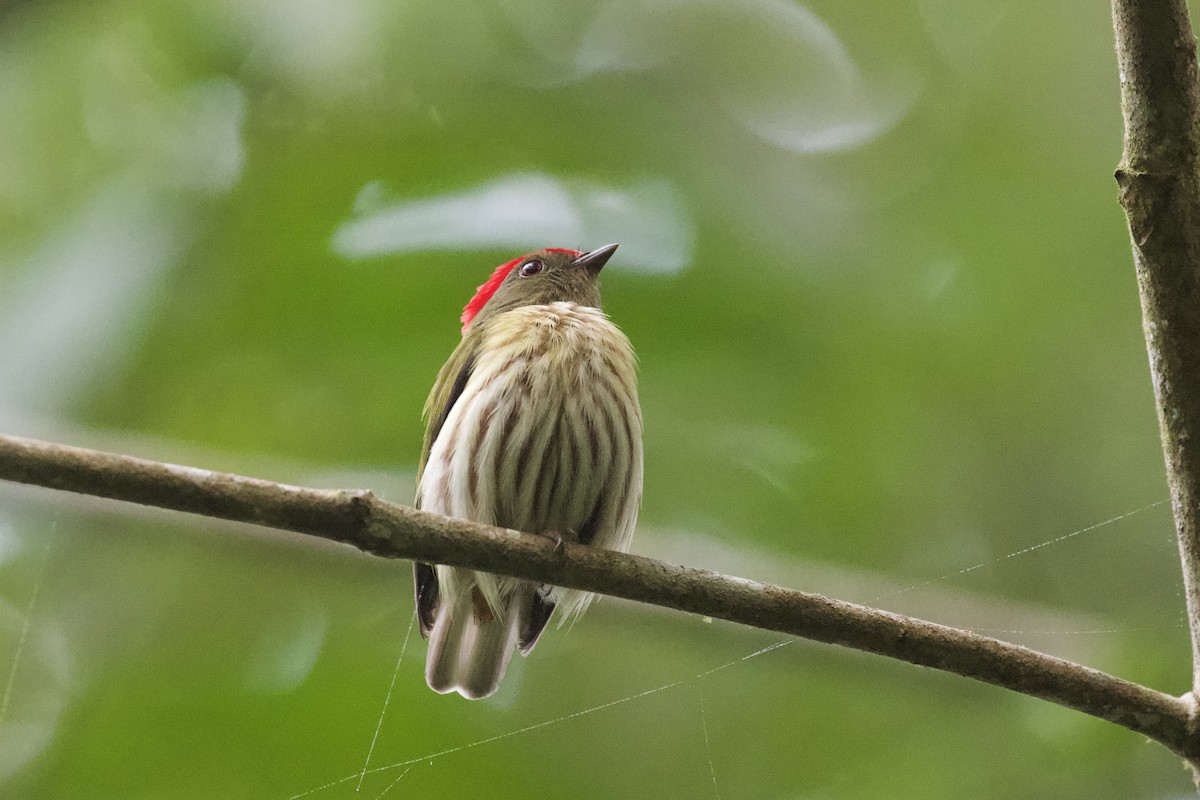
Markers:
<point>693,681</point>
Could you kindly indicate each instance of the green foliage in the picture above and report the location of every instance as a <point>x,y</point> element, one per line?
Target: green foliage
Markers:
<point>903,340</point>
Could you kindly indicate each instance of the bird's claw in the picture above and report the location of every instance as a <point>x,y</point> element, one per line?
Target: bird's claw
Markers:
<point>561,539</point>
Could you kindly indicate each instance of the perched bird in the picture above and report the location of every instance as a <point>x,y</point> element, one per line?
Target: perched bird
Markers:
<point>533,424</point>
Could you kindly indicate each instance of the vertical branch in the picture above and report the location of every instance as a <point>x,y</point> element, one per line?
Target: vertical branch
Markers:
<point>1160,191</point>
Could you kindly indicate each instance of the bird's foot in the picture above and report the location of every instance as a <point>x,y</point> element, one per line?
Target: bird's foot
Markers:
<point>560,539</point>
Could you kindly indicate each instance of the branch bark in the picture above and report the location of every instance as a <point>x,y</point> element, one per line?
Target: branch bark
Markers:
<point>360,519</point>
<point>1160,191</point>
<point>1161,194</point>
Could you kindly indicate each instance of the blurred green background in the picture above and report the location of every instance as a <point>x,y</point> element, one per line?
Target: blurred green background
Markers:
<point>889,334</point>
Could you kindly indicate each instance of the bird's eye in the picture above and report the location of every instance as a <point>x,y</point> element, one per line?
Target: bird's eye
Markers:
<point>531,267</point>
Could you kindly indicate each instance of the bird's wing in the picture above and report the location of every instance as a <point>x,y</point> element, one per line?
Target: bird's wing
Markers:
<point>448,387</point>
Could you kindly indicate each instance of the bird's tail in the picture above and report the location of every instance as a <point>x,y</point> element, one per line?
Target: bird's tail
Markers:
<point>470,643</point>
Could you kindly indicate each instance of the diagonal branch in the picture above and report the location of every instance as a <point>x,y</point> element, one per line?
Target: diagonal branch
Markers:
<point>360,519</point>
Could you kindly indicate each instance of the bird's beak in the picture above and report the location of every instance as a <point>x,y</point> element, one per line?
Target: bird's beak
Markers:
<point>596,259</point>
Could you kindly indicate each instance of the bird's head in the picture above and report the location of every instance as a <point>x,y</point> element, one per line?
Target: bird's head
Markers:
<point>547,276</point>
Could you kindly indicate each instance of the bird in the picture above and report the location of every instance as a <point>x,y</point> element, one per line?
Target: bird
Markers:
<point>533,424</point>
